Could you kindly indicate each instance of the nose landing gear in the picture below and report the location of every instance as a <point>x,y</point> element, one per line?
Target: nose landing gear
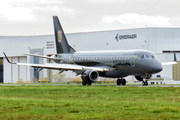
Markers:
<point>86,82</point>
<point>144,82</point>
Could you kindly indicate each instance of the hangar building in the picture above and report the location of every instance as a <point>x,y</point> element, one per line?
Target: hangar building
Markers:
<point>162,41</point>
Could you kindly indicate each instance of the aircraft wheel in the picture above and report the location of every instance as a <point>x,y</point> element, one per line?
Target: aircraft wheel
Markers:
<point>118,81</point>
<point>146,83</point>
<point>89,83</point>
<point>123,81</point>
<point>84,82</point>
<point>143,83</point>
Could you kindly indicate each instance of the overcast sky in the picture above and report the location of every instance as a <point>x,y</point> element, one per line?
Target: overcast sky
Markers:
<point>34,17</point>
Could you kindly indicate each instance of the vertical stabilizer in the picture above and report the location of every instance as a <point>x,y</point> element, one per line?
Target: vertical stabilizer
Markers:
<point>62,45</point>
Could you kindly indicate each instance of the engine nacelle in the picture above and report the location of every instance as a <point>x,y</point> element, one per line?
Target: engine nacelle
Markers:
<point>140,77</point>
<point>91,75</point>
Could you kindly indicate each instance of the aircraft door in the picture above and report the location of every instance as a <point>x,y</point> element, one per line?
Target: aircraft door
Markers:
<point>69,59</point>
<point>133,60</point>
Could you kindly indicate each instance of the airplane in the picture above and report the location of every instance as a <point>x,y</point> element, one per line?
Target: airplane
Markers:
<point>94,64</point>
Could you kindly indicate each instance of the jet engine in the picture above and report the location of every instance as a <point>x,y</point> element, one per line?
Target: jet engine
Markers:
<point>91,75</point>
<point>140,77</point>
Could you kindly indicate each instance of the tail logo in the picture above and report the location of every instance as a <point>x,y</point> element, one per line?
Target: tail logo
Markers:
<point>59,36</point>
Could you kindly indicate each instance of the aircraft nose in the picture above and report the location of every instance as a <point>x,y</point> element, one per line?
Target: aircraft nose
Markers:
<point>158,68</point>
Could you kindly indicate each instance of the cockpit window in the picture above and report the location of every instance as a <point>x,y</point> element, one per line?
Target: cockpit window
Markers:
<point>153,56</point>
<point>149,56</point>
<point>142,56</point>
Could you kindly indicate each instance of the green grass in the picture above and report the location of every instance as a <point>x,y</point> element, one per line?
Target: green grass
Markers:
<point>89,102</point>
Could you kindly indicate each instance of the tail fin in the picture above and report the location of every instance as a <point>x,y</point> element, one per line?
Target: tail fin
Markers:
<point>62,45</point>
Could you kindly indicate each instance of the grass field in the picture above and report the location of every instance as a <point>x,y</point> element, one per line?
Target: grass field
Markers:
<point>89,102</point>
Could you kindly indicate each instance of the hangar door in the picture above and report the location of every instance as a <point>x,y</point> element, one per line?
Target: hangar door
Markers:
<point>1,70</point>
<point>35,75</point>
<point>176,71</point>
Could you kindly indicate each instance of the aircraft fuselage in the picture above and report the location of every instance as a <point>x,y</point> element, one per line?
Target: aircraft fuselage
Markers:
<point>120,63</point>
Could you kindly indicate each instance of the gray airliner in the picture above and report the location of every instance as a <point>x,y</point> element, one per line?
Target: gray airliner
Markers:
<point>92,65</point>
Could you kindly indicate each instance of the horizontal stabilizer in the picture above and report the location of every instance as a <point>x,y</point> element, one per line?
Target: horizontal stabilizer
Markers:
<point>42,56</point>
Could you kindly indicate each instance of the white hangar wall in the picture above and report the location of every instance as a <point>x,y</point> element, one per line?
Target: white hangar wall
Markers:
<point>161,39</point>
<point>106,40</point>
<point>14,47</point>
<point>153,39</point>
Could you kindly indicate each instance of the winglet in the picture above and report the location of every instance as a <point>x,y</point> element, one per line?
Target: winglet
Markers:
<point>175,59</point>
<point>8,59</point>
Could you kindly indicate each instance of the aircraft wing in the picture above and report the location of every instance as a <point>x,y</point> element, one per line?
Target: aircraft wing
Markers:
<point>61,66</point>
<point>171,63</point>
<point>65,67</point>
<point>168,63</point>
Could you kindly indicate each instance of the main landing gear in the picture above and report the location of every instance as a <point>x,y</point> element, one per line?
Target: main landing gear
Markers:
<point>86,82</point>
<point>121,81</point>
